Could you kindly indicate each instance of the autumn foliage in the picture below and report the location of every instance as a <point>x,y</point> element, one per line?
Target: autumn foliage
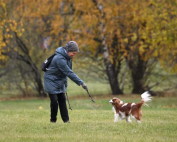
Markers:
<point>110,33</point>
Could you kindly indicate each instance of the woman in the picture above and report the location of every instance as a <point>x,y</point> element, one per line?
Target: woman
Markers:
<point>55,80</point>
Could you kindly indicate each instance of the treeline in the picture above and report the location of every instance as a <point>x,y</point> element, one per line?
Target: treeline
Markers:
<point>127,35</point>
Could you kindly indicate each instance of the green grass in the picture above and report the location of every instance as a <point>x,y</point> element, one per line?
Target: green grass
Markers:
<point>73,89</point>
<point>93,87</point>
<point>22,120</point>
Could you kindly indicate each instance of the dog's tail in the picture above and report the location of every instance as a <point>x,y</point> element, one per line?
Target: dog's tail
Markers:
<point>146,97</point>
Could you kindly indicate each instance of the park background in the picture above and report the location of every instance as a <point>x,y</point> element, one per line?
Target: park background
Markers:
<point>126,47</point>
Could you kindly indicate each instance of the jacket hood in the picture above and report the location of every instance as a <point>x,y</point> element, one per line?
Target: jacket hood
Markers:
<point>62,51</point>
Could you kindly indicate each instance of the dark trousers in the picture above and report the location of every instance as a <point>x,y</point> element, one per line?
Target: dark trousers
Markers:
<point>58,100</point>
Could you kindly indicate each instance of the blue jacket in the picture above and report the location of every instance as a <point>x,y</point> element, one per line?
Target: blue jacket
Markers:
<point>55,79</point>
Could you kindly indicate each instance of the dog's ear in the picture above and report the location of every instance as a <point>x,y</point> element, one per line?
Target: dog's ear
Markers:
<point>117,101</point>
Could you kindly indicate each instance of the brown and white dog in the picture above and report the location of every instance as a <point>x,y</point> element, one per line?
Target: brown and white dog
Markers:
<point>125,110</point>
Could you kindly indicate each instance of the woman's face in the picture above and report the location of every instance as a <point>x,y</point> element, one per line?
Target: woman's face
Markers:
<point>72,54</point>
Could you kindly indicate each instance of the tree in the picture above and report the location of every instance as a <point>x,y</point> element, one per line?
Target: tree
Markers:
<point>123,30</point>
<point>165,33</point>
<point>16,50</point>
<point>111,33</point>
<point>107,32</point>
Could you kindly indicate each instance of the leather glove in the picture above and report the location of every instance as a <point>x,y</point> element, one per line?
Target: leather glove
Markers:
<point>84,86</point>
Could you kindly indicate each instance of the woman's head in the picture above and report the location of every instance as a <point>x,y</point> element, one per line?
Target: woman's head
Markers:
<point>71,46</point>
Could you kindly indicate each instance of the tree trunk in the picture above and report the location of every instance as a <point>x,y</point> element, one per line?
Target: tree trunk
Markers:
<point>114,84</point>
<point>112,76</point>
<point>138,72</point>
<point>138,86</point>
<point>110,70</point>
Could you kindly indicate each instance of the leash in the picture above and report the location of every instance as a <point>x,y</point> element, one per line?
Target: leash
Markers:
<point>68,101</point>
<point>90,95</point>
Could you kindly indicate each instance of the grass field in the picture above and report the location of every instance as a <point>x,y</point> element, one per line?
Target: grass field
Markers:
<point>28,121</point>
<point>95,88</point>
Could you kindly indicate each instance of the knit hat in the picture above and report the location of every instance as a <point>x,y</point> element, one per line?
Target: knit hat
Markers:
<point>71,46</point>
